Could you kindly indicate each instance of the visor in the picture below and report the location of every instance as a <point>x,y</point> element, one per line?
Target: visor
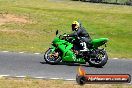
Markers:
<point>73,26</point>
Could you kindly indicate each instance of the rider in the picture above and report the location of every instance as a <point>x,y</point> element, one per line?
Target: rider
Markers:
<point>80,32</point>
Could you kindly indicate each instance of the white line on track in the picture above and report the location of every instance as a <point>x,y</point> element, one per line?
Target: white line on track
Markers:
<point>21,52</point>
<point>5,51</point>
<point>4,75</point>
<point>36,53</point>
<point>55,78</point>
<point>115,58</point>
<point>36,77</point>
<point>39,77</point>
<point>69,79</point>
<point>20,76</point>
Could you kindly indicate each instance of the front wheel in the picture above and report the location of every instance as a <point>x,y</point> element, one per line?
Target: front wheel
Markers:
<point>100,60</point>
<point>52,57</point>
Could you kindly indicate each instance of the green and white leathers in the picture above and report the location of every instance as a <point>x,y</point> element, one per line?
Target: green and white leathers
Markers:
<point>64,49</point>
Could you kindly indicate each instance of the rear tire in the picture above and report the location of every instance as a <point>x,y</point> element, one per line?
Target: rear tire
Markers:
<point>102,62</point>
<point>48,59</point>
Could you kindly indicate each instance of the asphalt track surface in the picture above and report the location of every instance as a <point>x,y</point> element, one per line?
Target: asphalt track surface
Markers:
<point>33,65</point>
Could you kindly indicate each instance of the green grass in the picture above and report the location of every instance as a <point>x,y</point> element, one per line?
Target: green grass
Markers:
<point>100,20</point>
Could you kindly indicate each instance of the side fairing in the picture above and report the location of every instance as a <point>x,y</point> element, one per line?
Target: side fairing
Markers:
<point>66,48</point>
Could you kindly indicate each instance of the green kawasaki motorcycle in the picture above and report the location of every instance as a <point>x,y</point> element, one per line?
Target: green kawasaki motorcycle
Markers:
<point>73,50</point>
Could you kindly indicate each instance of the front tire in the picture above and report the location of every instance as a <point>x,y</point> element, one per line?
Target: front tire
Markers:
<point>51,60</point>
<point>102,62</point>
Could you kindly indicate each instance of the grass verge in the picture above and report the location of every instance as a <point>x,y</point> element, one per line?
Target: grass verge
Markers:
<point>43,17</point>
<point>34,83</point>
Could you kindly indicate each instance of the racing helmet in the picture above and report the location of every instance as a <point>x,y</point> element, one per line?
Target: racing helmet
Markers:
<point>75,25</point>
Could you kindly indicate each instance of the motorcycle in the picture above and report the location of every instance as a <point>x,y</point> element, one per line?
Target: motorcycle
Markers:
<point>73,50</point>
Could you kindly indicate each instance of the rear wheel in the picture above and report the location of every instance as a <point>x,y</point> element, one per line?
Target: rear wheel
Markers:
<point>52,57</point>
<point>100,60</point>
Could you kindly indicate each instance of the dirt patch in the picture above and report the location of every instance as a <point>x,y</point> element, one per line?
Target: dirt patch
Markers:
<point>6,18</point>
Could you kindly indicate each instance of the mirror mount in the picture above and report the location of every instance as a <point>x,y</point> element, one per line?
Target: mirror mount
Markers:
<point>57,32</point>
